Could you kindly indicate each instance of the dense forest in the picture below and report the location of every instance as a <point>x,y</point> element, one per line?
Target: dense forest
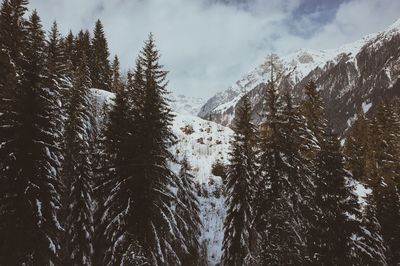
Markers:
<point>83,185</point>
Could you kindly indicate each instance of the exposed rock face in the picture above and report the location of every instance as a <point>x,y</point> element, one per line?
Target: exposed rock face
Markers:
<point>349,78</point>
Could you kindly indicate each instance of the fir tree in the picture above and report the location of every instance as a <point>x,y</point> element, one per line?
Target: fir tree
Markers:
<point>313,111</point>
<point>100,70</point>
<point>58,79</point>
<point>13,30</point>
<point>337,211</point>
<point>356,148</point>
<point>297,141</point>
<point>188,216</point>
<point>82,49</point>
<point>240,188</point>
<point>119,183</point>
<point>371,247</point>
<point>155,229</point>
<point>383,168</point>
<point>275,219</point>
<point>29,224</point>
<point>77,173</point>
<point>68,45</point>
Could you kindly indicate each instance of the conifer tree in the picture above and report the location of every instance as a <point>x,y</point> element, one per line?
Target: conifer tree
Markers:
<point>115,74</point>
<point>383,168</point>
<point>118,182</point>
<point>138,208</point>
<point>297,141</point>
<point>188,216</point>
<point>337,212</point>
<point>240,187</point>
<point>77,172</point>
<point>8,188</point>
<point>68,45</point>
<point>99,64</point>
<point>371,247</point>
<point>276,221</point>
<point>356,148</point>
<point>59,79</point>
<point>13,30</point>
<point>82,48</point>
<point>29,226</point>
<point>313,111</point>
<point>152,195</point>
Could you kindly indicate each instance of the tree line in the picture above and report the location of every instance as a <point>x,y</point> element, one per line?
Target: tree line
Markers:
<point>79,184</point>
<point>291,186</point>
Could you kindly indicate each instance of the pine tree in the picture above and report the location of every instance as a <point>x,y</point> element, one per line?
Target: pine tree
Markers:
<point>100,70</point>
<point>119,182</point>
<point>68,45</point>
<point>371,247</point>
<point>356,148</point>
<point>82,48</point>
<point>337,211</point>
<point>58,79</point>
<point>275,219</point>
<point>154,176</point>
<point>313,111</point>
<point>13,30</point>
<point>240,189</point>
<point>77,173</point>
<point>188,216</point>
<point>138,209</point>
<point>8,80</point>
<point>297,141</point>
<point>29,223</point>
<point>383,168</point>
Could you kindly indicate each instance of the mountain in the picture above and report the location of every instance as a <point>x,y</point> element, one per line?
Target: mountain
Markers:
<point>183,104</point>
<point>350,78</point>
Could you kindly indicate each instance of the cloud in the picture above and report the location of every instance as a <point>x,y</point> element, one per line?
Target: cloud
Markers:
<point>208,44</point>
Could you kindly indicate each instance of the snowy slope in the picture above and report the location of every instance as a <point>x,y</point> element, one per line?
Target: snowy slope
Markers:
<point>202,142</point>
<point>207,142</point>
<point>183,104</point>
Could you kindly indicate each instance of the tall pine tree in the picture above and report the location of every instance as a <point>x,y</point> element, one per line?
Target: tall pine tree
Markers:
<point>276,220</point>
<point>240,188</point>
<point>188,216</point>
<point>29,223</point>
<point>100,70</point>
<point>383,169</point>
<point>356,148</point>
<point>77,172</point>
<point>337,212</point>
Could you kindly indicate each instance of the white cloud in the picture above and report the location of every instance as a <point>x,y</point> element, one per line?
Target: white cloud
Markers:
<point>207,46</point>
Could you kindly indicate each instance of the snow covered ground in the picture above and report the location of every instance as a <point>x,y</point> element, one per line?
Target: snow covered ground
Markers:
<point>203,142</point>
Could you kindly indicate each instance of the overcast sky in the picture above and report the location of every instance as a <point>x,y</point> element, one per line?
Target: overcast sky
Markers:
<point>208,44</point>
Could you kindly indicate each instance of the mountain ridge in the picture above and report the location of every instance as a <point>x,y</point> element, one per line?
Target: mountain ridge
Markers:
<point>355,58</point>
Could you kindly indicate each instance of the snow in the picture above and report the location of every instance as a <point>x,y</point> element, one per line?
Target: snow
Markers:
<point>362,192</point>
<point>366,106</point>
<point>186,105</point>
<point>203,144</point>
<point>102,97</point>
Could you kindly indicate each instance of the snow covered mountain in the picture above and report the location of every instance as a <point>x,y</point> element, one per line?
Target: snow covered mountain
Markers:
<point>203,143</point>
<point>183,104</point>
<point>350,78</point>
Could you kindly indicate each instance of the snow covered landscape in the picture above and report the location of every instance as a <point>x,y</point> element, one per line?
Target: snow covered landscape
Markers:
<point>149,162</point>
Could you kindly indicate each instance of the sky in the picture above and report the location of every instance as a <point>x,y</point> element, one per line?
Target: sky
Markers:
<point>207,45</point>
